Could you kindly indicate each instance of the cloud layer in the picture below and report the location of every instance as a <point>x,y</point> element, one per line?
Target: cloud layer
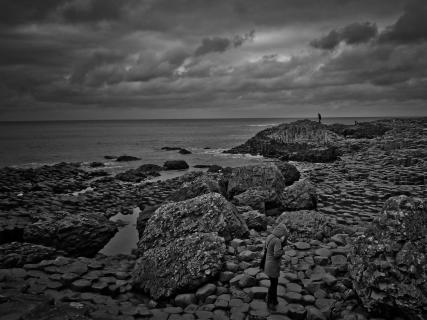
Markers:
<point>229,58</point>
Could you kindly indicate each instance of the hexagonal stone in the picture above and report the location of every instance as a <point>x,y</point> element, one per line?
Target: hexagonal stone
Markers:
<point>221,304</point>
<point>247,255</point>
<point>290,253</point>
<point>264,283</point>
<point>231,266</point>
<point>247,281</point>
<point>237,316</point>
<point>302,245</point>
<point>296,311</point>
<point>281,291</point>
<point>329,279</point>
<point>200,314</point>
<point>258,292</point>
<point>236,303</point>
<point>81,285</point>
<point>205,291</point>
<point>290,276</point>
<point>293,296</point>
<point>226,276</point>
<point>173,310</point>
<point>323,261</point>
<point>323,252</point>
<point>252,271</point>
<point>308,299</point>
<point>258,305</point>
<point>185,299</point>
<point>294,287</point>
<point>339,259</point>
<point>283,281</point>
<point>258,314</point>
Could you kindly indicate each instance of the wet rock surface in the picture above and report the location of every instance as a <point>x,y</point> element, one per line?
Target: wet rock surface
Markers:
<point>353,221</point>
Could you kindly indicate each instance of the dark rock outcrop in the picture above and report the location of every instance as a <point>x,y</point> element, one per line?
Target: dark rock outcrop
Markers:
<point>17,254</point>
<point>300,196</point>
<point>76,234</point>
<point>126,158</point>
<point>289,172</point>
<point>175,165</point>
<point>361,130</point>
<point>302,140</point>
<point>388,264</point>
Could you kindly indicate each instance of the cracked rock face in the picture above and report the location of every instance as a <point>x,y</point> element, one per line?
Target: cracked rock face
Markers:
<point>183,244</point>
<point>182,264</point>
<point>388,263</point>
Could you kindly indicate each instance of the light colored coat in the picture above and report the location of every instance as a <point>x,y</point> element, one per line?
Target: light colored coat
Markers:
<point>274,251</point>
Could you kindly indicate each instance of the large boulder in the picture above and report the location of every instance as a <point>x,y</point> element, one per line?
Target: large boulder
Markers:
<point>303,140</point>
<point>388,264</point>
<point>263,176</point>
<point>301,195</point>
<point>81,234</point>
<point>202,184</point>
<point>305,225</point>
<point>289,172</point>
<point>176,165</point>
<point>207,213</point>
<point>183,244</point>
<point>182,264</point>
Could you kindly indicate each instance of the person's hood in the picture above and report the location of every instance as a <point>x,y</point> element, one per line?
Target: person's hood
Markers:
<point>280,230</point>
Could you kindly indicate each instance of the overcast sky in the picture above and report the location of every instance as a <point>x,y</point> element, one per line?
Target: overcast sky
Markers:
<point>132,59</point>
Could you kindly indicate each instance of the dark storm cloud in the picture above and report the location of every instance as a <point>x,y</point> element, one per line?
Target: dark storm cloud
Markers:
<point>24,11</point>
<point>218,44</point>
<point>352,34</point>
<point>96,59</point>
<point>411,26</point>
<point>94,10</point>
<point>157,55</point>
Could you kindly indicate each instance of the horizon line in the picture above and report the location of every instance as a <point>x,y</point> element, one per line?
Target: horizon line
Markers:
<point>231,118</point>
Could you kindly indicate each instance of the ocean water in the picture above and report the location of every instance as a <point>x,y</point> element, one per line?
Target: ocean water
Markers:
<point>31,144</point>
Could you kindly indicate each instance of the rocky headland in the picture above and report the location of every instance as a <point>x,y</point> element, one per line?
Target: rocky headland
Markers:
<point>353,198</point>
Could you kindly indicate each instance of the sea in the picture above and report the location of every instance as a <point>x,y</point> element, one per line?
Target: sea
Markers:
<point>32,144</point>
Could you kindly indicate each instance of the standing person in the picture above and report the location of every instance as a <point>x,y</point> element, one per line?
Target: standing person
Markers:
<point>320,117</point>
<point>273,245</point>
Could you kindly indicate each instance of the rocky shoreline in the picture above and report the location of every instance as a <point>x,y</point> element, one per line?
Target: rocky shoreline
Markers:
<point>355,207</point>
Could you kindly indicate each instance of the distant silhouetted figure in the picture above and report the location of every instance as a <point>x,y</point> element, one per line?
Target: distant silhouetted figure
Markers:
<point>320,117</point>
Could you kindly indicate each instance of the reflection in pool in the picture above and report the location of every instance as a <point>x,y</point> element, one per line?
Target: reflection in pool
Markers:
<point>126,239</point>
